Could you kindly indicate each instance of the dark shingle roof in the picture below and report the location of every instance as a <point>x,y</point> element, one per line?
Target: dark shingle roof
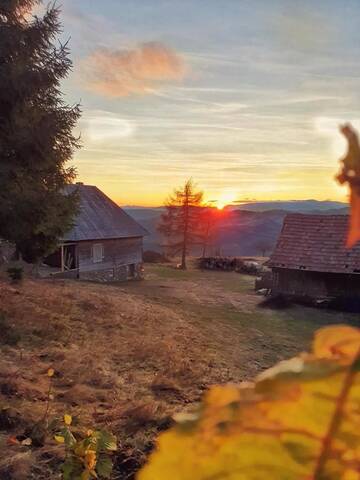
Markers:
<point>100,217</point>
<point>315,243</point>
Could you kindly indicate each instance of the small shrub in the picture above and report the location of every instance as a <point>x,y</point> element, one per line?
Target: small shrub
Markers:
<point>86,457</point>
<point>16,274</point>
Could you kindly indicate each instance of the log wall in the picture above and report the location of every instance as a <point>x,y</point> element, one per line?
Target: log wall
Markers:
<point>122,258</point>
<point>315,284</point>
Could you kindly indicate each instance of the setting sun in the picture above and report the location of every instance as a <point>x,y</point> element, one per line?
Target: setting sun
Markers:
<point>226,198</point>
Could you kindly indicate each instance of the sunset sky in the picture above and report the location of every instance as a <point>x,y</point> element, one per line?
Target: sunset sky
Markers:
<point>242,95</point>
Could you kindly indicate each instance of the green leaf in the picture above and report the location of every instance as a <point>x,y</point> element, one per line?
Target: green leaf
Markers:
<point>70,440</point>
<point>72,468</point>
<point>106,441</point>
<point>104,467</point>
<point>67,469</point>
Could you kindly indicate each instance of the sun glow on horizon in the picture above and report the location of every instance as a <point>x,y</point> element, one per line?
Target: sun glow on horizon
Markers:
<point>225,198</point>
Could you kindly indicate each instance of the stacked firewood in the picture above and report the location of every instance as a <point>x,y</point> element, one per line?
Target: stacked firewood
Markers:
<point>229,264</point>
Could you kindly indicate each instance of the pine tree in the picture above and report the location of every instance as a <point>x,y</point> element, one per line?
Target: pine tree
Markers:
<point>36,125</point>
<point>180,223</point>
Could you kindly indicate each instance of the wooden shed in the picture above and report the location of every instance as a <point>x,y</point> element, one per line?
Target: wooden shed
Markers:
<point>311,259</point>
<point>105,243</point>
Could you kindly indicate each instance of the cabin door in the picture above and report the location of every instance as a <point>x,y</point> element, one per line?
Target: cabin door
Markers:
<point>69,257</point>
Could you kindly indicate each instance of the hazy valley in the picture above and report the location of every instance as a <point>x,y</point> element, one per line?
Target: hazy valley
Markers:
<point>244,228</point>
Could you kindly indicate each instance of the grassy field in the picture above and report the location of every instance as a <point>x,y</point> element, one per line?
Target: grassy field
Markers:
<point>128,356</point>
<point>226,305</point>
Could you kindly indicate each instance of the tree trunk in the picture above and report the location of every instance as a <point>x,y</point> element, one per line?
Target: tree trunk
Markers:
<point>185,241</point>
<point>206,240</point>
<point>183,257</point>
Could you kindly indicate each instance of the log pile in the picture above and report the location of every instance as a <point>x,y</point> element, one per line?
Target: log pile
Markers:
<point>230,264</point>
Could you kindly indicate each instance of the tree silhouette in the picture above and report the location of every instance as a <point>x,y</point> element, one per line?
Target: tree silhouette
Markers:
<point>180,224</point>
<point>36,124</point>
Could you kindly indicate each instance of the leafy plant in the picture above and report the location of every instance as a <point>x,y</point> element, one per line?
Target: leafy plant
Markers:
<point>299,420</point>
<point>87,457</point>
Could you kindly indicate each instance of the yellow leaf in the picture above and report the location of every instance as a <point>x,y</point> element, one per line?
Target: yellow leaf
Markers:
<point>273,429</point>
<point>90,459</point>
<point>59,439</point>
<point>337,341</point>
<point>50,372</point>
<point>80,449</point>
<point>67,419</point>
<point>350,475</point>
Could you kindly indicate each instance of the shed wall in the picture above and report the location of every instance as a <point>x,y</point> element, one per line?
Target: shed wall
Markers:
<point>315,284</point>
<point>117,252</point>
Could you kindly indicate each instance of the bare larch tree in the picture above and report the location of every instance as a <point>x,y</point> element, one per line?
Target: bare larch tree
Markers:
<point>180,224</point>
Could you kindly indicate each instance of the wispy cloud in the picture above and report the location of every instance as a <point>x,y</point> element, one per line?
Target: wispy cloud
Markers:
<point>120,73</point>
<point>98,126</point>
<point>252,104</point>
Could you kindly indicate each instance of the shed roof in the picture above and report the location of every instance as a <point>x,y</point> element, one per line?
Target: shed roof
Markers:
<point>315,243</point>
<point>100,217</point>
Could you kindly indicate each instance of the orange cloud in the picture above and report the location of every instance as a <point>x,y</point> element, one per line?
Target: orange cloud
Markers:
<point>119,73</point>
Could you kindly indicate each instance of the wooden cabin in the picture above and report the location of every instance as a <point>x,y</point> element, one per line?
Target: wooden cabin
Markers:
<point>105,243</point>
<point>311,259</point>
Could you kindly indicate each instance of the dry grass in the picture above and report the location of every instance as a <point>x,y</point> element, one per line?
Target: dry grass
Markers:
<point>119,361</point>
<point>129,356</point>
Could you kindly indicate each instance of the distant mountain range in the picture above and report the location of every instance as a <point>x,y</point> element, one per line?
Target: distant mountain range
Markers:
<point>303,206</point>
<point>247,228</point>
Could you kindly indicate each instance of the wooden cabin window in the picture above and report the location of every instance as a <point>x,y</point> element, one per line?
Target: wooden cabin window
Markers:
<point>98,252</point>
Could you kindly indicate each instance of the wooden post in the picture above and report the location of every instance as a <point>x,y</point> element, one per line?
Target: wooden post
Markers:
<point>77,261</point>
<point>62,257</point>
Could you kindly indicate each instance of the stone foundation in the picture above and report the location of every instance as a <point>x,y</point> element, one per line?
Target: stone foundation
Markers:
<point>119,273</point>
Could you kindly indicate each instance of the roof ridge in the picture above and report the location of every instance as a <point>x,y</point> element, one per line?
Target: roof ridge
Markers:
<point>101,218</point>
<point>315,243</point>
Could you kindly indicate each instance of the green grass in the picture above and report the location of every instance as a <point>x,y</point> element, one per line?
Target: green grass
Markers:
<point>170,272</point>
<point>235,282</point>
<point>226,302</point>
<point>267,335</point>
<point>230,281</point>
